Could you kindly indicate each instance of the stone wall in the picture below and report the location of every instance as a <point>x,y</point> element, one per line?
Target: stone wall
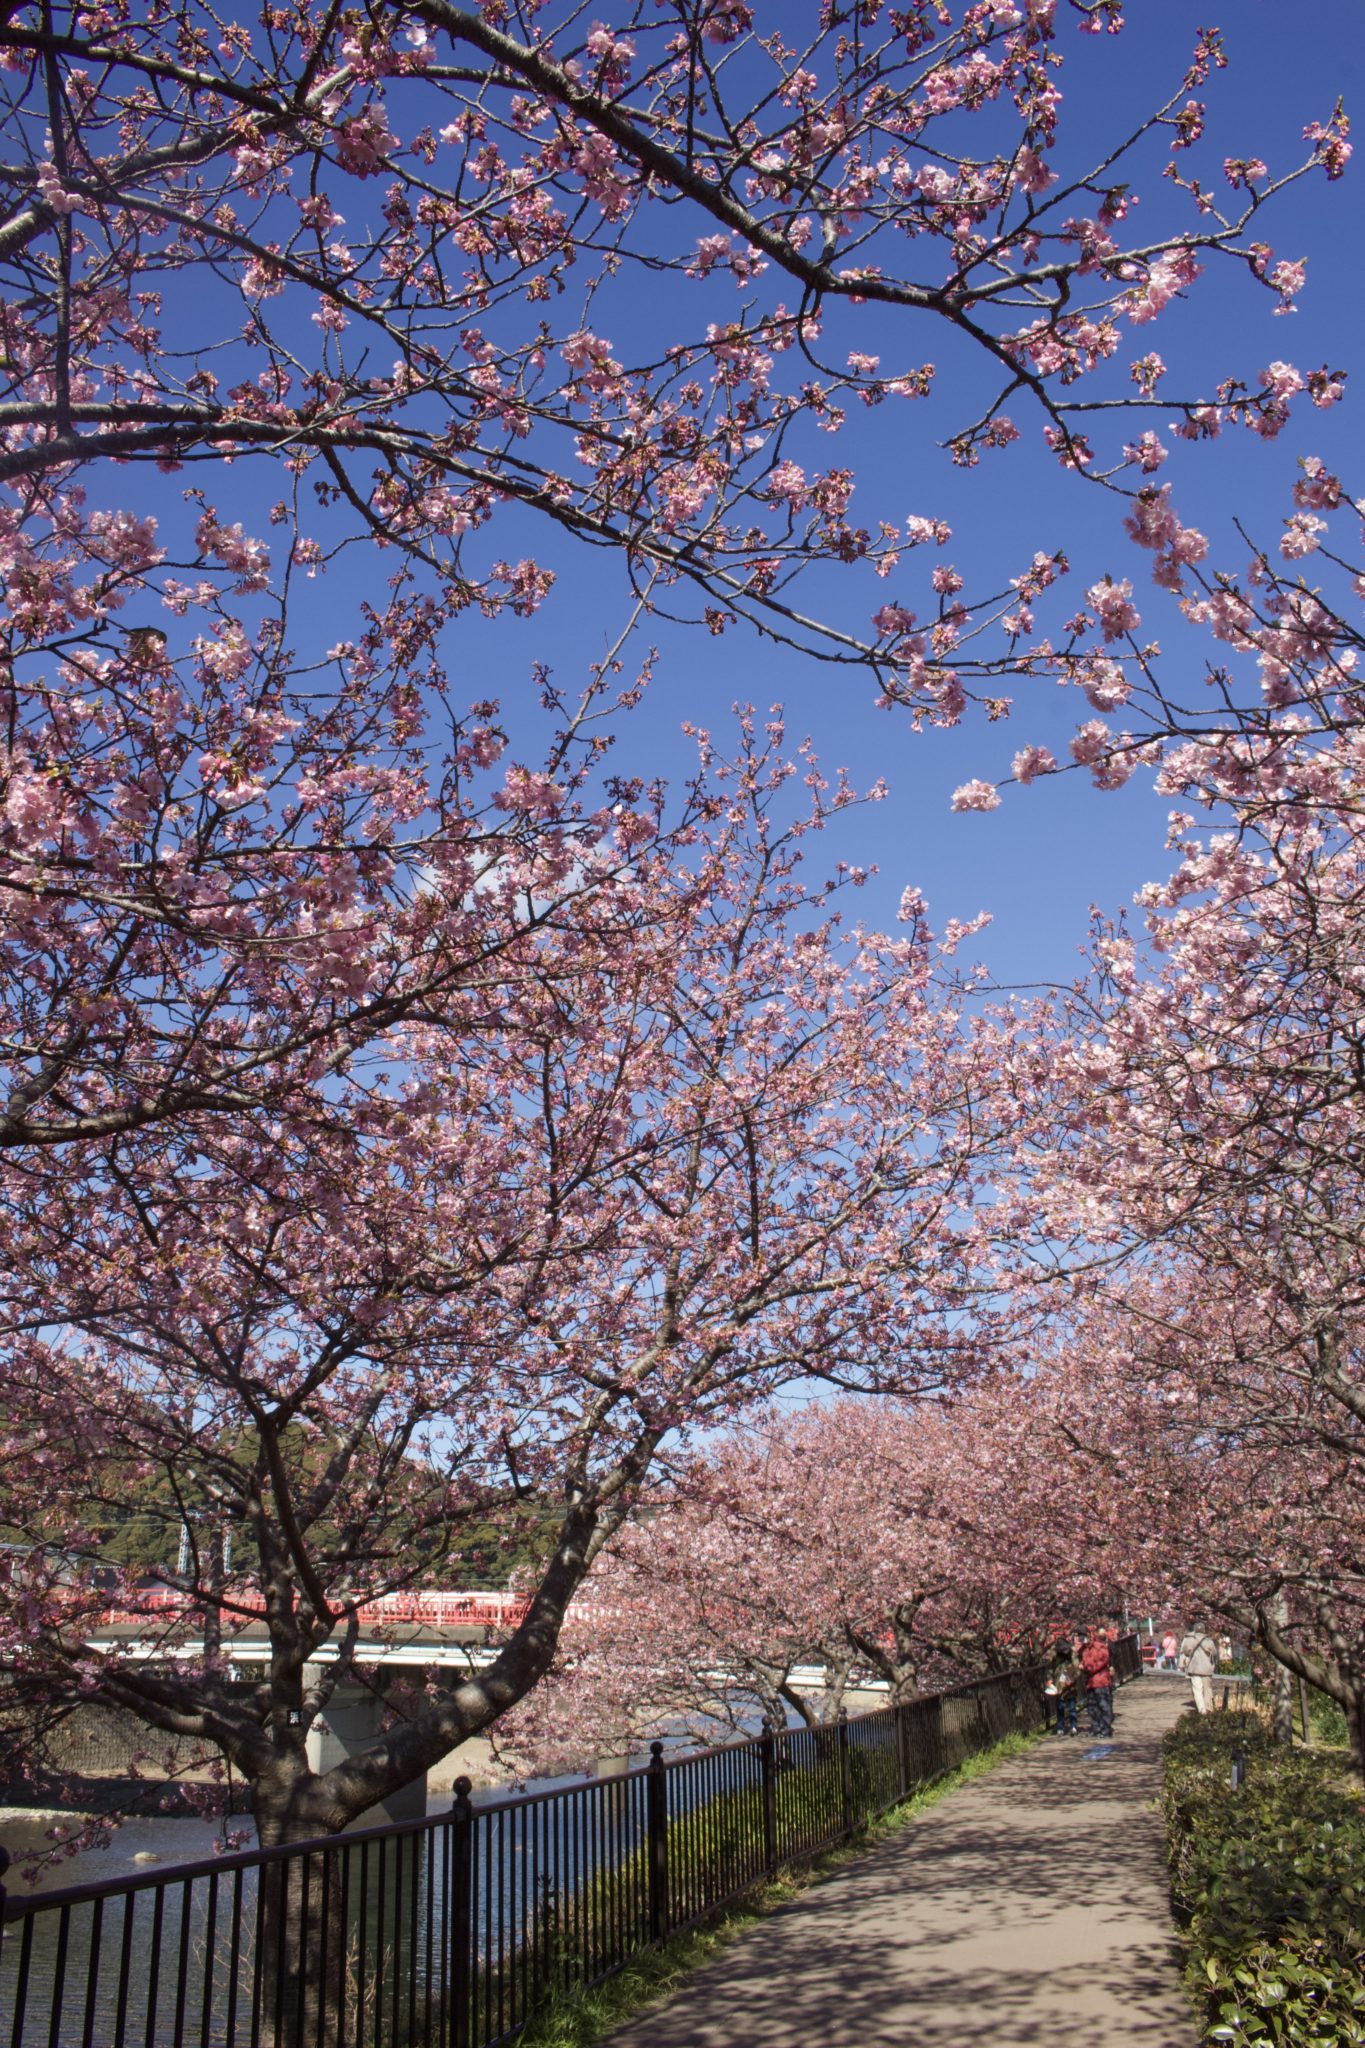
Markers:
<point>101,1742</point>
<point>85,1763</point>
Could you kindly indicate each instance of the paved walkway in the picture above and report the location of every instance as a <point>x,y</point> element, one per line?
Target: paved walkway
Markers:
<point>1027,1910</point>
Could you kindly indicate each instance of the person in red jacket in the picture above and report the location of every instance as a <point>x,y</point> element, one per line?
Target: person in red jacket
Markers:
<point>1099,1681</point>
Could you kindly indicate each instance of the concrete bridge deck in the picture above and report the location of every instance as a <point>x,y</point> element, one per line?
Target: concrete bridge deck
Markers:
<point>1029,1910</point>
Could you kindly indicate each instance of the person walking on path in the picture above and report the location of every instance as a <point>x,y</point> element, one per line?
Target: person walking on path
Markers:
<point>1099,1682</point>
<point>1170,1650</point>
<point>1199,1660</point>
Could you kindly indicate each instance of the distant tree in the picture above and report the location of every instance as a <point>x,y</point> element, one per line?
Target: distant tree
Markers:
<point>915,1545</point>
<point>1220,1490</point>
<point>1194,1189</point>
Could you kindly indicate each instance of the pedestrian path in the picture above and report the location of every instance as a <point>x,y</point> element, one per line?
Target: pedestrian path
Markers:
<point>1026,1910</point>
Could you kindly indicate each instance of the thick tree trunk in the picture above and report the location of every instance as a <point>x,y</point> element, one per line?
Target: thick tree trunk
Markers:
<point>308,1989</point>
<point>1282,1704</point>
<point>315,1945</point>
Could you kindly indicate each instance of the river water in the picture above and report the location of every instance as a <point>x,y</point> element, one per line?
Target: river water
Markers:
<point>136,1847</point>
<point>132,1848</point>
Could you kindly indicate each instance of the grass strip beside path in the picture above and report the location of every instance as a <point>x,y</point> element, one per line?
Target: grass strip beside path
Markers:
<point>576,2019</point>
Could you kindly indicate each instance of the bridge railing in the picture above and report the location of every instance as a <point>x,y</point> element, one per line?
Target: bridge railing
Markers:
<point>453,1931</point>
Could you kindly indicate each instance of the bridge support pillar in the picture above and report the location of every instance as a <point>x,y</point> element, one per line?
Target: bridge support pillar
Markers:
<point>349,1723</point>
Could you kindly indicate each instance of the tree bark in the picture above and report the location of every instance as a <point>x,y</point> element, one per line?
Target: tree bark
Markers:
<point>1355,1728</point>
<point>1282,1680</point>
<point>306,1989</point>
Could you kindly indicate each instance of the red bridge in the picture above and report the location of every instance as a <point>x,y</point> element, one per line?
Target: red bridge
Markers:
<point>424,1610</point>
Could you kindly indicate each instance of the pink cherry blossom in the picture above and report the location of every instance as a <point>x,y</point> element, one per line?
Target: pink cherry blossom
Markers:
<point>1302,535</point>
<point>976,796</point>
<point>1030,762</point>
<point>1118,615</point>
<point>1148,453</point>
<point>1031,173</point>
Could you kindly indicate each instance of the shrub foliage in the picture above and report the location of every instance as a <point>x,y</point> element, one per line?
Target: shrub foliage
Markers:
<point>1268,1881</point>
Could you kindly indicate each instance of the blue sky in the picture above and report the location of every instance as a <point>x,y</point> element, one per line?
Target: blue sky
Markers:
<point>1054,850</point>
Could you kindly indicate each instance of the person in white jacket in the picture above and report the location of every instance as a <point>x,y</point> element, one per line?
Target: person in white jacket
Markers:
<point>1198,1659</point>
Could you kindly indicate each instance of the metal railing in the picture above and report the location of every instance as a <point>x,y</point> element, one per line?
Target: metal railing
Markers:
<point>1125,1656</point>
<point>451,1932</point>
<point>428,1609</point>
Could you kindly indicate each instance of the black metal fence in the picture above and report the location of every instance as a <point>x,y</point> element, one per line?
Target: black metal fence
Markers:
<point>451,1932</point>
<point>1126,1658</point>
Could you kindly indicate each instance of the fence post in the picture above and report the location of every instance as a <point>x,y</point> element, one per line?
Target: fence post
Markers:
<point>4,1866</point>
<point>656,1816</point>
<point>845,1770</point>
<point>461,1915</point>
<point>767,1757</point>
<point>902,1756</point>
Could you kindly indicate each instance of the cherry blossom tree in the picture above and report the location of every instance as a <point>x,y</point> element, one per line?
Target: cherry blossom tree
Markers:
<point>916,1545</point>
<point>691,1151</point>
<point>380,1101</point>
<point>213,229</point>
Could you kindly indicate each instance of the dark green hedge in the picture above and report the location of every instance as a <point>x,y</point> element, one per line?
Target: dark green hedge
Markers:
<point>1268,1882</point>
